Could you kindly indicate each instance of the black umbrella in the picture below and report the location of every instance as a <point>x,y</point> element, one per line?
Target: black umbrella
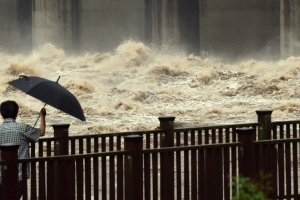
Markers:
<point>51,93</point>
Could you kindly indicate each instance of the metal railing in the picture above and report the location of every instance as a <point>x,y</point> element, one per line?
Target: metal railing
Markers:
<point>167,163</point>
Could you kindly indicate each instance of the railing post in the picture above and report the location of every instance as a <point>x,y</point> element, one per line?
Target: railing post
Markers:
<point>64,180</point>
<point>167,158</point>
<point>269,156</point>
<point>134,167</point>
<point>246,151</point>
<point>167,123</point>
<point>264,117</point>
<point>61,146</point>
<point>9,186</point>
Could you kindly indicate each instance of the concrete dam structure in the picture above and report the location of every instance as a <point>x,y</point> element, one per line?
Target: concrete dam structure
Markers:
<point>235,29</point>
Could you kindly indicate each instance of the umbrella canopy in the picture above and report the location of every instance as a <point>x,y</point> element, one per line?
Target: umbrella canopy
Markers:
<point>51,93</point>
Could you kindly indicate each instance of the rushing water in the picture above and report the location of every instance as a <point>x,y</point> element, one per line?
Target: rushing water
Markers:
<point>129,88</point>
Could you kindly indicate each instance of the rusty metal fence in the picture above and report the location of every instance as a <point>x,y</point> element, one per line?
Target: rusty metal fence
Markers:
<point>167,163</point>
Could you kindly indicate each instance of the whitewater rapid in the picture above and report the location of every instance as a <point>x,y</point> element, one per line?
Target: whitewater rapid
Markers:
<point>129,88</point>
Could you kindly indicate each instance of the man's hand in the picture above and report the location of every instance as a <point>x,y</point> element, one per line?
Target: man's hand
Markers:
<point>43,112</point>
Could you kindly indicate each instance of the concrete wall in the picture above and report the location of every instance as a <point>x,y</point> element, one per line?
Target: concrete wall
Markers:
<point>87,25</point>
<point>232,29</point>
<point>173,23</point>
<point>290,28</point>
<point>15,23</point>
<point>235,29</point>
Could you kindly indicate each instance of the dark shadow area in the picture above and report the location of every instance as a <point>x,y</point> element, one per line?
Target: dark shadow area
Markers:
<point>24,17</point>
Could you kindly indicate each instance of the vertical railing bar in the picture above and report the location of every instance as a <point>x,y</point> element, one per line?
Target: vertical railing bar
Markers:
<point>200,137</point>
<point>103,169</point>
<point>281,131</point>
<point>234,138</point>
<point>50,180</point>
<point>112,177</point>
<point>213,136</point>
<point>49,175</point>
<point>295,162</point>
<point>73,145</point>
<point>24,181</point>
<point>96,169</point>
<point>148,137</point>
<point>80,143</point>
<point>49,149</point>
<point>206,136</point>
<point>120,177</point>
<point>155,175</point>
<point>288,131</point>
<point>87,178</point>
<point>210,173</point>
<point>79,176</point>
<point>111,143</point>
<point>193,137</point>
<point>193,168</point>
<point>87,169</point>
<point>186,168</point>
<point>234,154</point>
<point>274,129</point>
<point>226,179</point>
<point>219,173</point>
<point>221,137</point>
<point>177,136</point>
<point>42,181</point>
<point>281,179</point>
<point>201,174</point>
<point>33,184</point>
<point>281,165</point>
<point>120,170</point>
<point>41,173</point>
<point>221,163</point>
<point>178,167</point>
<point>147,163</point>
<point>155,142</point>
<point>288,162</point>
<point>79,171</point>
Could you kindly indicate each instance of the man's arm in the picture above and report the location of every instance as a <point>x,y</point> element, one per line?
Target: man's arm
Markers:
<point>43,121</point>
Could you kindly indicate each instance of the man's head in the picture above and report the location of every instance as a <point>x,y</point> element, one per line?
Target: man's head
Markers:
<point>9,109</point>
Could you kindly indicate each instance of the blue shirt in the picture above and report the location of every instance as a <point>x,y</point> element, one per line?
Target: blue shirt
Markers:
<point>18,133</point>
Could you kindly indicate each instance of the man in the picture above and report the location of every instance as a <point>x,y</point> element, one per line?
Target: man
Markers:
<point>19,133</point>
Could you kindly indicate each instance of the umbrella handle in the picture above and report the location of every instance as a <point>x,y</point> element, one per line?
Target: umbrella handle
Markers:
<point>44,105</point>
<point>38,117</point>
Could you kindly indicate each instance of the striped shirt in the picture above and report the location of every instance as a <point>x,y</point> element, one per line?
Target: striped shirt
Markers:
<point>18,133</point>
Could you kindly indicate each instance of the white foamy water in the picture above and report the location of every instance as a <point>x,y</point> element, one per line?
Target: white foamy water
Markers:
<point>129,88</point>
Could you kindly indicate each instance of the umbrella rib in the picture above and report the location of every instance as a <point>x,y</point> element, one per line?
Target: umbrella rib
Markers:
<point>44,106</point>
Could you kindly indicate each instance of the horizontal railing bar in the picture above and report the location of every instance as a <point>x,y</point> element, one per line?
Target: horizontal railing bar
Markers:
<point>45,139</point>
<point>157,131</point>
<point>285,122</point>
<point>73,157</point>
<point>217,126</point>
<point>276,141</point>
<point>192,147</point>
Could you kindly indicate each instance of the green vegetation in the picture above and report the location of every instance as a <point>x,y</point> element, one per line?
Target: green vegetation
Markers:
<point>245,188</point>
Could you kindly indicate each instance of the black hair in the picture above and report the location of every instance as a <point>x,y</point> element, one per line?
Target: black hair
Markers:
<point>9,109</point>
